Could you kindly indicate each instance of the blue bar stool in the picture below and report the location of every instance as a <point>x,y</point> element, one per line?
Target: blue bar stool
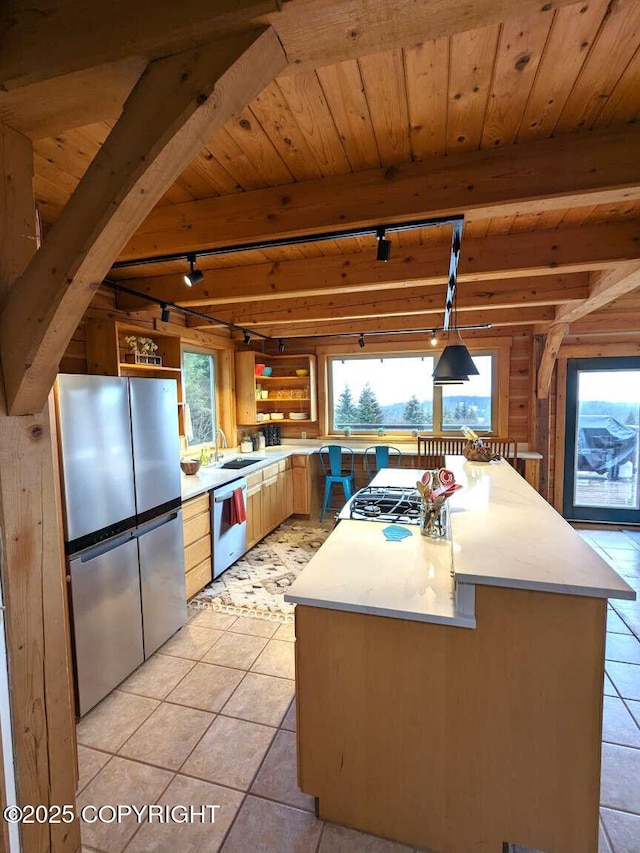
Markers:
<point>381,456</point>
<point>331,459</point>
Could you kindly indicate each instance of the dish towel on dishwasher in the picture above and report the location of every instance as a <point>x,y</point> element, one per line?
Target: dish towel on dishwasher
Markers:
<point>238,510</point>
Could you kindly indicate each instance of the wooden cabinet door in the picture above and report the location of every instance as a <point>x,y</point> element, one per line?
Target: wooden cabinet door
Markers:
<point>287,501</point>
<point>270,503</point>
<point>300,491</point>
<point>255,512</point>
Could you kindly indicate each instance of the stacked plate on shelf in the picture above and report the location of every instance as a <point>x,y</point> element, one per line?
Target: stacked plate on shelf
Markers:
<point>299,416</point>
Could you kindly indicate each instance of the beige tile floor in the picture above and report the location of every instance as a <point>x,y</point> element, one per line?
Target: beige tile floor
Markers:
<point>210,719</point>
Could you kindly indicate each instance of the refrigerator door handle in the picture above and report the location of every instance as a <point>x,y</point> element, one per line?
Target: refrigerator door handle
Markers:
<point>102,548</point>
<point>155,523</point>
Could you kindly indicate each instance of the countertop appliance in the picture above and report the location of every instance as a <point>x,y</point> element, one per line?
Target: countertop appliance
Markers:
<point>229,540</point>
<point>123,524</point>
<point>394,504</point>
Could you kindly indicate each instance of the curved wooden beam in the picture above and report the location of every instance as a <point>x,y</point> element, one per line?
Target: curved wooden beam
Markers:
<point>178,103</point>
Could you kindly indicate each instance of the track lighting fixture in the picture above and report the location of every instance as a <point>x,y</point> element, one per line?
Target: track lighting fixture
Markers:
<point>280,345</point>
<point>194,276</point>
<point>384,246</point>
<point>166,314</point>
<point>434,339</point>
<point>247,338</point>
<point>361,341</point>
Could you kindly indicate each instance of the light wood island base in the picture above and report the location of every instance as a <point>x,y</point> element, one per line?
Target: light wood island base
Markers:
<point>452,739</point>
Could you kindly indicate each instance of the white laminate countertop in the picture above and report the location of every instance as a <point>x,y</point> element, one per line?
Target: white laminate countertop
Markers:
<point>359,570</point>
<point>503,534</point>
<point>212,478</point>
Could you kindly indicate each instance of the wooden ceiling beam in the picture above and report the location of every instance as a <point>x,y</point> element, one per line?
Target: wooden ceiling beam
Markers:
<point>505,293</point>
<point>73,35</point>
<point>317,33</point>
<point>536,253</point>
<point>84,97</point>
<point>570,171</point>
<point>503,317</point>
<point>604,287</point>
<point>178,103</point>
<point>552,344</point>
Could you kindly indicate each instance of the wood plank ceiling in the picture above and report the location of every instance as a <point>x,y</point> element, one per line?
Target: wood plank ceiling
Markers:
<point>572,70</point>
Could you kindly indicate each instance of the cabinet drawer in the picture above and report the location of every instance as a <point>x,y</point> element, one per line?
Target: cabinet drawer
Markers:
<point>300,461</point>
<point>271,471</point>
<point>254,479</point>
<point>195,506</point>
<point>197,552</point>
<point>197,527</point>
<point>198,577</point>
<point>284,465</point>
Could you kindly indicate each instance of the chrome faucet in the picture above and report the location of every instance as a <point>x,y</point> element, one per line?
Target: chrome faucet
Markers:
<point>217,456</point>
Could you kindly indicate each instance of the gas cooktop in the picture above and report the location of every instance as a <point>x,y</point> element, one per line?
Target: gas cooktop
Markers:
<point>387,504</point>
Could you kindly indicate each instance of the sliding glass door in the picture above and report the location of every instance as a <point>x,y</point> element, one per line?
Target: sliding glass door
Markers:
<point>601,480</point>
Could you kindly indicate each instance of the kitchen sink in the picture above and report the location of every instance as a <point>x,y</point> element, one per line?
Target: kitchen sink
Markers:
<point>242,462</point>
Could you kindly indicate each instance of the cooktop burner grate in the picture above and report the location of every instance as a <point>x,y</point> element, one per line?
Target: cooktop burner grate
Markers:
<point>390,504</point>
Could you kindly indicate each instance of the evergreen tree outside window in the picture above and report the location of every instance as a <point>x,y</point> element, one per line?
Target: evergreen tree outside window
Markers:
<point>346,410</point>
<point>198,373</point>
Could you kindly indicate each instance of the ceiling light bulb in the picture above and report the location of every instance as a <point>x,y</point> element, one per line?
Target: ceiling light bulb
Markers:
<point>434,340</point>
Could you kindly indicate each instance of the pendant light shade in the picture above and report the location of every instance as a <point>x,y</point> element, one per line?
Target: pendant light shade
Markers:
<point>455,365</point>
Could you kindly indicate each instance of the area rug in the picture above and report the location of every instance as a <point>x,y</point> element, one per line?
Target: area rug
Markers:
<point>256,584</point>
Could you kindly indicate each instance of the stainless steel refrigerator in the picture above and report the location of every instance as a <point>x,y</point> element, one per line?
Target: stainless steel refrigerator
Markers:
<point>123,524</point>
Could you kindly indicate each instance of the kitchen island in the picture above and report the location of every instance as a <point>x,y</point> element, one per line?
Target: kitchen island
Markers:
<point>456,712</point>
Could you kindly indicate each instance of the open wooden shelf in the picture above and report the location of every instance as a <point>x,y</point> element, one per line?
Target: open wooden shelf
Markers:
<point>154,368</point>
<point>283,367</point>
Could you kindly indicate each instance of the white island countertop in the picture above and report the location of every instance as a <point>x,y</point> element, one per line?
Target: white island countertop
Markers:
<point>503,533</point>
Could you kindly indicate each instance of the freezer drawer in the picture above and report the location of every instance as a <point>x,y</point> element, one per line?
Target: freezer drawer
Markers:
<point>164,601</point>
<point>156,444</point>
<point>107,624</point>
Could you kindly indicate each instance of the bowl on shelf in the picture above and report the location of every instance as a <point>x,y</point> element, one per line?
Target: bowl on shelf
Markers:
<point>302,372</point>
<point>267,371</point>
<point>277,416</point>
<point>298,416</point>
<point>259,369</point>
<point>190,466</point>
<point>261,417</point>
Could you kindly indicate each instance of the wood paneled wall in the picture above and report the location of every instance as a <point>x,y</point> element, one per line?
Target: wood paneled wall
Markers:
<point>521,383</point>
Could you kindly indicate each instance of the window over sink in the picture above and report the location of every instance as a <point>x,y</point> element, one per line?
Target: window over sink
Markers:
<point>198,372</point>
<point>393,394</point>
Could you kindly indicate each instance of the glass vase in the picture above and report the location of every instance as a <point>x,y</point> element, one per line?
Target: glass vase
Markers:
<point>433,521</point>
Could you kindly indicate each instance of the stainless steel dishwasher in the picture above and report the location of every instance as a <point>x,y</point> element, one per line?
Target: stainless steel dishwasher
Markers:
<point>229,540</point>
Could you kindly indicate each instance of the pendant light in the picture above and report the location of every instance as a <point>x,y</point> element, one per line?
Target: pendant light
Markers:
<point>455,365</point>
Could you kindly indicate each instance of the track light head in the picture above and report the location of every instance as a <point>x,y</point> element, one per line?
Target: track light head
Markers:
<point>166,314</point>
<point>384,246</point>
<point>194,276</point>
<point>434,339</point>
<point>247,337</point>
<point>361,341</point>
<point>280,345</point>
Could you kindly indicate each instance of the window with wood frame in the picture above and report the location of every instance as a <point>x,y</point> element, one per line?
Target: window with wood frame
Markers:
<point>392,393</point>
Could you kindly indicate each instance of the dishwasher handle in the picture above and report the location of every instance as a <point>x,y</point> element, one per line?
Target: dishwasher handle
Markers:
<point>225,496</point>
